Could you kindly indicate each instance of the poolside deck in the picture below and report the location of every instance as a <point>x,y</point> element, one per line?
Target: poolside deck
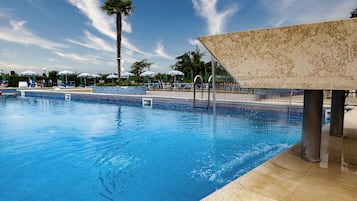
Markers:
<point>288,177</point>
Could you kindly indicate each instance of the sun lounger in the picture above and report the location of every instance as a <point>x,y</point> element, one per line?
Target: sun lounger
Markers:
<point>23,84</point>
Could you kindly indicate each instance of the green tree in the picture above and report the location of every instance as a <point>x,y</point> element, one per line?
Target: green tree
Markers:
<point>52,75</point>
<point>354,13</point>
<point>190,63</point>
<point>119,8</point>
<point>198,66</point>
<point>221,74</point>
<point>138,67</point>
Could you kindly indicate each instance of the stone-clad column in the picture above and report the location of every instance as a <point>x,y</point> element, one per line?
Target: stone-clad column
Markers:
<point>311,131</point>
<point>337,113</point>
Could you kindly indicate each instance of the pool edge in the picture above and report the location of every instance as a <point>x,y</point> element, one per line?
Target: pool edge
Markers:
<point>288,177</point>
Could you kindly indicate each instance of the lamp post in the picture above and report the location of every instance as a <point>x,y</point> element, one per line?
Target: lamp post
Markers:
<point>191,62</point>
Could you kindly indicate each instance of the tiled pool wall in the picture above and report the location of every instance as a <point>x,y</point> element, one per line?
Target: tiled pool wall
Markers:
<point>222,107</point>
<point>8,91</point>
<point>134,90</point>
<point>100,98</point>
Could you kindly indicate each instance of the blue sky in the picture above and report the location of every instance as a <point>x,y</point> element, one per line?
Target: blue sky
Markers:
<point>77,35</point>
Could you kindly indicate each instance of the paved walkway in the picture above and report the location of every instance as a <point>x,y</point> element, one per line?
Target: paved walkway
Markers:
<point>204,95</point>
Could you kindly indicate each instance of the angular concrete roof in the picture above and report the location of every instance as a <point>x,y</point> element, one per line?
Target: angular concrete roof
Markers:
<point>309,56</point>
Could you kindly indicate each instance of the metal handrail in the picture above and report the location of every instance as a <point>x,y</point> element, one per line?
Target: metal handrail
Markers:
<point>209,90</point>
<point>194,88</point>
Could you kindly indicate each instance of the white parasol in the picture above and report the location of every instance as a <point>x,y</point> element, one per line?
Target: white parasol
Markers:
<point>65,73</point>
<point>175,72</point>
<point>147,73</point>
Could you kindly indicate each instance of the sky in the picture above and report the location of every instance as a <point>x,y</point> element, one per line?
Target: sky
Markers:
<point>77,35</point>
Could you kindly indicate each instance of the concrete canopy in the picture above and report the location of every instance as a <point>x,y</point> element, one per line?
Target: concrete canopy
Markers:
<point>310,56</point>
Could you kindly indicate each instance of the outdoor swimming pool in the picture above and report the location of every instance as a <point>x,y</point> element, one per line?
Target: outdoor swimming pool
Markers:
<point>66,150</point>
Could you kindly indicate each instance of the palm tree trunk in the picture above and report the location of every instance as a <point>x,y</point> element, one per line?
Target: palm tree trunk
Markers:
<point>119,28</point>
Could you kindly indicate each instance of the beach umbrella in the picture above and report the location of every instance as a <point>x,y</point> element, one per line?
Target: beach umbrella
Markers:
<point>175,72</point>
<point>112,76</point>
<point>147,73</point>
<point>28,73</point>
<point>95,76</point>
<point>84,75</point>
<point>126,74</point>
<point>65,73</point>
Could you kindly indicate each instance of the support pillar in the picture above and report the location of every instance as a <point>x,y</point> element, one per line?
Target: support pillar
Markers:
<point>337,113</point>
<point>311,131</point>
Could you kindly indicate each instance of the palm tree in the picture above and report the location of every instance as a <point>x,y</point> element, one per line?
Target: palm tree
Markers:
<point>119,8</point>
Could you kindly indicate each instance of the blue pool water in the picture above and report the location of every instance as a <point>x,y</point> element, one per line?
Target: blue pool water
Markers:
<point>58,150</point>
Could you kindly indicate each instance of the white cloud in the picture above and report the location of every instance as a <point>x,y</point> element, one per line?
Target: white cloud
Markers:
<point>215,20</point>
<point>156,68</point>
<point>7,53</point>
<point>5,10</point>
<point>78,58</point>
<point>17,33</point>
<point>131,47</point>
<point>98,19</point>
<point>87,59</point>
<point>160,51</point>
<point>194,42</point>
<point>18,68</point>
<point>287,12</point>
<point>126,26</point>
<point>93,42</point>
<point>17,25</point>
<point>103,23</point>
<point>74,57</point>
<point>129,52</point>
<point>37,4</point>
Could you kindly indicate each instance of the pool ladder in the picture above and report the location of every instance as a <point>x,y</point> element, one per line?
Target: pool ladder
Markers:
<point>195,82</point>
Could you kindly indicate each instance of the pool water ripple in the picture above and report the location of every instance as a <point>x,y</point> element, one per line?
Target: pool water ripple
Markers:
<point>58,150</point>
